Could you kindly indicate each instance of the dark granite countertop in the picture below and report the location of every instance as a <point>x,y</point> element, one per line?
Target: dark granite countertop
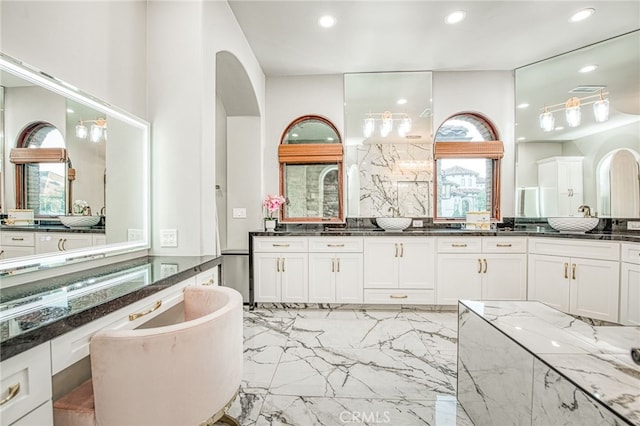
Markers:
<point>33,313</point>
<point>53,228</point>
<point>442,232</point>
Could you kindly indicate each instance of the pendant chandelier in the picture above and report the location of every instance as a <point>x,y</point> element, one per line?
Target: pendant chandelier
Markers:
<point>97,131</point>
<point>386,121</point>
<point>573,113</point>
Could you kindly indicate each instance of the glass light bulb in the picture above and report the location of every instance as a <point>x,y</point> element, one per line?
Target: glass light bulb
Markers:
<point>601,110</point>
<point>547,121</point>
<point>81,131</point>
<point>386,127</point>
<point>368,127</point>
<point>404,127</point>
<point>95,134</point>
<point>573,116</point>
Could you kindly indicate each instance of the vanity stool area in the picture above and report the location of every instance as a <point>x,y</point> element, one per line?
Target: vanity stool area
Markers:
<point>46,325</point>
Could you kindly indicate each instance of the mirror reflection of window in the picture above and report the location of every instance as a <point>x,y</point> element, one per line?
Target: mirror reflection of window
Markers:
<point>310,156</point>
<point>467,155</point>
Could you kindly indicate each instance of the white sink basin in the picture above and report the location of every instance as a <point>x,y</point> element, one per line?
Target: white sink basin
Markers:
<point>393,223</point>
<point>79,221</point>
<point>573,224</point>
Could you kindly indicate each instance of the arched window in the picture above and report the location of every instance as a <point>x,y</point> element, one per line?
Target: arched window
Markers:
<point>41,170</point>
<point>467,153</point>
<point>310,156</point>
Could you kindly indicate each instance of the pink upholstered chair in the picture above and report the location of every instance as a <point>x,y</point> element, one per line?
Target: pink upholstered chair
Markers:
<point>181,374</point>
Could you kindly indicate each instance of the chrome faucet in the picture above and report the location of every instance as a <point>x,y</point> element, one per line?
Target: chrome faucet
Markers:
<point>86,211</point>
<point>395,211</point>
<point>585,210</point>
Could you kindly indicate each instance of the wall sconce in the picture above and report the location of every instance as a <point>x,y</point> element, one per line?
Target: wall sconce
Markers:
<point>573,113</point>
<point>386,120</point>
<point>97,133</point>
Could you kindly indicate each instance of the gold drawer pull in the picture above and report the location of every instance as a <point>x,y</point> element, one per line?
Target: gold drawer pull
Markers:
<point>458,245</point>
<point>280,245</point>
<point>393,296</point>
<point>13,392</point>
<point>485,266</point>
<point>479,266</point>
<point>503,245</point>
<point>573,271</point>
<point>210,282</point>
<point>17,239</point>
<point>141,314</point>
<point>566,270</point>
<point>335,245</point>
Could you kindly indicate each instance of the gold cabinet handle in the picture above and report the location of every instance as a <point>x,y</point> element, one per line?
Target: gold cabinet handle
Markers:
<point>283,264</point>
<point>458,245</point>
<point>479,266</point>
<point>280,245</point>
<point>338,266</point>
<point>210,282</point>
<point>333,265</point>
<point>64,241</point>
<point>503,245</point>
<point>485,265</point>
<point>573,271</point>
<point>59,241</point>
<point>335,245</point>
<point>396,255</point>
<point>141,314</point>
<point>393,296</point>
<point>13,392</point>
<point>566,270</point>
<point>1,253</point>
<point>17,239</point>
<point>401,249</point>
<point>278,265</point>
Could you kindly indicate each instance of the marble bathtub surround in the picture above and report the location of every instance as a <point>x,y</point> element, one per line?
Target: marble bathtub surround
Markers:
<point>548,366</point>
<point>336,366</point>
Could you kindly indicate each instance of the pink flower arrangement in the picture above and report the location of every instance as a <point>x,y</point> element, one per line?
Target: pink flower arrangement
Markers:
<point>272,204</point>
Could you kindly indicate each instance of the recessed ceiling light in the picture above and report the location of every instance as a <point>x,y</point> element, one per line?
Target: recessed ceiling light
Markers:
<point>588,68</point>
<point>523,105</point>
<point>294,135</point>
<point>330,139</point>
<point>70,111</point>
<point>582,15</point>
<point>455,17</point>
<point>401,101</point>
<point>521,138</point>
<point>559,128</point>
<point>326,21</point>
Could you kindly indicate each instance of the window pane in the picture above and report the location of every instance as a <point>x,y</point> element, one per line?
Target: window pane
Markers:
<point>464,185</point>
<point>46,188</point>
<point>312,190</point>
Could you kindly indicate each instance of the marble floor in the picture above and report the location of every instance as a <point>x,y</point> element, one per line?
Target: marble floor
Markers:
<point>349,366</point>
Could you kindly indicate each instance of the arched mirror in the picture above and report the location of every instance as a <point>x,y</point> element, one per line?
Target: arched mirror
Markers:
<point>310,156</point>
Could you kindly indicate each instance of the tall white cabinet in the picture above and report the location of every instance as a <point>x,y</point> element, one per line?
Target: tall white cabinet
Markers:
<point>560,181</point>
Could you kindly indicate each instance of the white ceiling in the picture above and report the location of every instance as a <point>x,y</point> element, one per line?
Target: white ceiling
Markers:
<point>373,35</point>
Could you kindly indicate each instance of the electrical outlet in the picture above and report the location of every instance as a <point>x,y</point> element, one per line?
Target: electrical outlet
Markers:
<point>239,213</point>
<point>417,224</point>
<point>168,269</point>
<point>168,238</point>
<point>134,234</point>
<point>633,226</point>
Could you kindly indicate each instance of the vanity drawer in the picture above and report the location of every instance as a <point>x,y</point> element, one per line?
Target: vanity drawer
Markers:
<point>31,371</point>
<point>630,253</point>
<point>333,244</point>
<point>583,249</point>
<point>24,239</point>
<point>459,245</point>
<point>399,296</point>
<point>74,345</point>
<point>280,244</point>
<point>504,245</point>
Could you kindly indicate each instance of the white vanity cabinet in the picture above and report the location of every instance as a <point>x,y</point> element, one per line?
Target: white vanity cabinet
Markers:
<point>630,284</point>
<point>335,270</point>
<point>25,385</point>
<point>487,268</point>
<point>399,270</point>
<point>49,242</point>
<point>577,277</point>
<point>561,188</point>
<point>16,244</point>
<point>280,269</point>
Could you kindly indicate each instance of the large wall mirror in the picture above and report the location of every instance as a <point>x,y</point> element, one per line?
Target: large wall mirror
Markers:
<point>578,132</point>
<point>104,165</point>
<point>388,144</point>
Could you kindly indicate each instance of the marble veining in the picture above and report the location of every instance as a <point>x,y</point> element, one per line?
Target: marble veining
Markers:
<point>346,364</point>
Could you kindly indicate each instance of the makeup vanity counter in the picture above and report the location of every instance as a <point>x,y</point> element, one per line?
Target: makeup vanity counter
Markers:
<point>526,363</point>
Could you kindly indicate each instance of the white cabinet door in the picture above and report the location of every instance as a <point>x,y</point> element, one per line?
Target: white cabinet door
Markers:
<point>380,262</point>
<point>322,278</point>
<point>549,280</point>
<point>294,276</point>
<point>416,263</point>
<point>8,252</point>
<point>459,277</point>
<point>348,278</point>
<point>504,277</point>
<point>47,242</point>
<point>267,277</point>
<point>594,289</point>
<point>630,294</point>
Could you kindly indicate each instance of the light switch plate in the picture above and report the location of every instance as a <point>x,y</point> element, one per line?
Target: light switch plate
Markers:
<point>168,238</point>
<point>239,213</point>
<point>633,226</point>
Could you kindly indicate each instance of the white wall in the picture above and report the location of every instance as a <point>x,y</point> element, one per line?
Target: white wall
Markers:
<point>289,98</point>
<point>490,93</point>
